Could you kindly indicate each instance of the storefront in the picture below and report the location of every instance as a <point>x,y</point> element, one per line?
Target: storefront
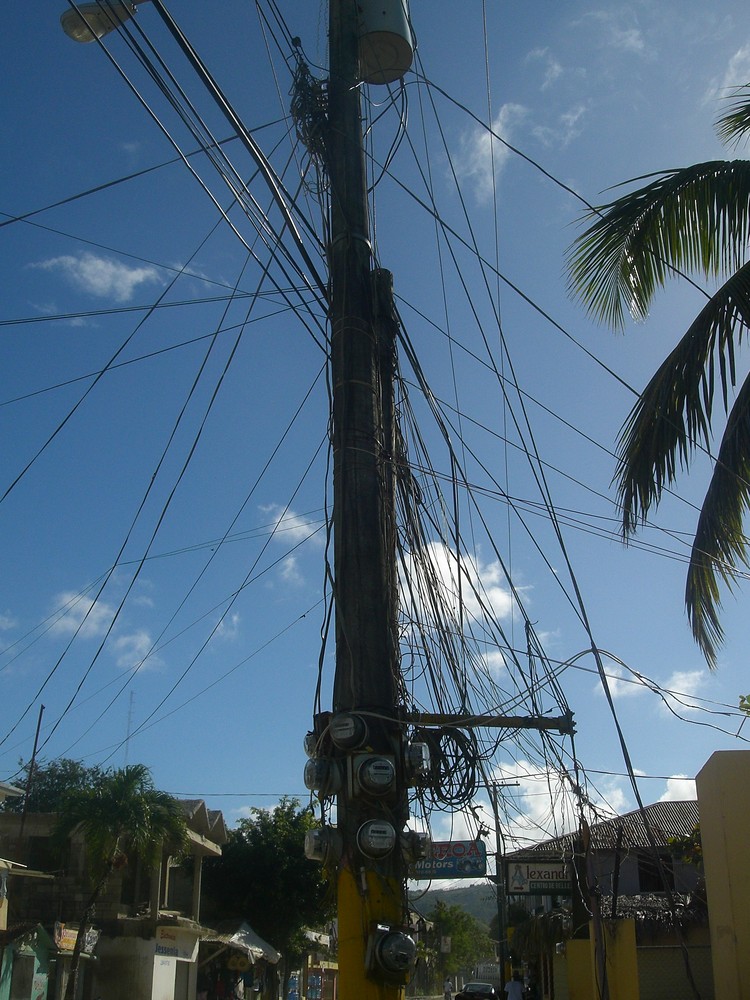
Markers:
<point>237,966</point>
<point>25,960</point>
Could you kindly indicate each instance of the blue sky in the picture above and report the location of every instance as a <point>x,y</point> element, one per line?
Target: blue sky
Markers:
<point>164,538</point>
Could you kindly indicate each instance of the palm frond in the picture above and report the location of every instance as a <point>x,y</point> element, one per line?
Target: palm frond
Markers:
<point>734,125</point>
<point>695,218</point>
<point>720,545</point>
<point>673,414</point>
<point>124,813</point>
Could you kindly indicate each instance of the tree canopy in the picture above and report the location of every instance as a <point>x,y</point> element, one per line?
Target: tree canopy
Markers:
<point>263,876</point>
<point>469,941</point>
<point>695,218</point>
<point>120,814</point>
<point>52,782</point>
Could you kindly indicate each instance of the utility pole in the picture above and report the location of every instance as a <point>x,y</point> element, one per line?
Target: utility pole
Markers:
<point>501,898</point>
<point>29,782</point>
<point>374,952</point>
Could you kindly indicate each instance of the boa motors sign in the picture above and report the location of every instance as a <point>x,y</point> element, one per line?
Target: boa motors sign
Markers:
<point>452,859</point>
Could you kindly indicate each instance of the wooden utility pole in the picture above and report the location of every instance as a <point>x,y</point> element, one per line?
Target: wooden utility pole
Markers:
<point>365,647</point>
<point>371,892</point>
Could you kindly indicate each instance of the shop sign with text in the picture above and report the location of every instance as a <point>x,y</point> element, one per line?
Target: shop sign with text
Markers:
<point>538,877</point>
<point>65,938</point>
<point>452,859</point>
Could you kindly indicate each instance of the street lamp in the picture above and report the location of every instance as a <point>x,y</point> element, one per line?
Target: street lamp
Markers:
<point>88,21</point>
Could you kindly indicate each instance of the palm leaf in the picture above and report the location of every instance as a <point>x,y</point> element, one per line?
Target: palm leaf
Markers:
<point>673,414</point>
<point>735,124</point>
<point>720,545</point>
<point>124,813</point>
<point>696,218</point>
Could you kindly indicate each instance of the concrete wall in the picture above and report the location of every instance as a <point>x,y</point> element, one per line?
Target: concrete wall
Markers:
<point>135,968</point>
<point>662,974</point>
<point>621,959</point>
<point>723,799</point>
<point>124,968</point>
<point>578,969</point>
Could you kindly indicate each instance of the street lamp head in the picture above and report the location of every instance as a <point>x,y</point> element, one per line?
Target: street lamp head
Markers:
<point>88,21</point>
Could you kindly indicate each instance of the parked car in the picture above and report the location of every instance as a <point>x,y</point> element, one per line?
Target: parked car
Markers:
<point>477,991</point>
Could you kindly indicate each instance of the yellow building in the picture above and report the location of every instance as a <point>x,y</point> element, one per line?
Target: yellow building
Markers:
<point>723,796</point>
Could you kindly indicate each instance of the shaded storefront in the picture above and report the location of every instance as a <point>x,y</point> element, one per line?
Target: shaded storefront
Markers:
<point>237,965</point>
<point>25,963</point>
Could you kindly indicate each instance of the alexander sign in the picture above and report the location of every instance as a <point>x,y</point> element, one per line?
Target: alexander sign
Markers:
<point>452,859</point>
<point>538,877</point>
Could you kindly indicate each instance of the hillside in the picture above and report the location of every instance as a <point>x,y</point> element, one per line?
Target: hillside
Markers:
<point>478,900</point>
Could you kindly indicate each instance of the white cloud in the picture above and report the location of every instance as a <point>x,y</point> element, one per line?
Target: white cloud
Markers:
<point>678,789</point>
<point>79,612</point>
<point>291,527</point>
<point>552,69</point>
<point>53,309</point>
<point>461,584</point>
<point>480,151</point>
<point>133,651</point>
<point>7,622</point>
<point>496,662</point>
<point>566,128</point>
<point>627,39</point>
<point>737,74</point>
<point>681,689</point>
<point>101,276</point>
<point>618,36</point>
<point>229,626</point>
<point>678,692</point>
<point>621,684</point>
<point>290,572</point>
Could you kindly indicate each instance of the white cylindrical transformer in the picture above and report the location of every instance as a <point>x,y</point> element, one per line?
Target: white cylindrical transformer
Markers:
<point>385,43</point>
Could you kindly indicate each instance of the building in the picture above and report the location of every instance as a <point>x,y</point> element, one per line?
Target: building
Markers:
<point>628,855</point>
<point>7,791</point>
<point>144,945</point>
<point>614,891</point>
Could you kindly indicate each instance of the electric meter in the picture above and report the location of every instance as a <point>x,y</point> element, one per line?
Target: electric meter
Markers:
<point>348,731</point>
<point>376,775</point>
<point>322,775</point>
<point>376,838</point>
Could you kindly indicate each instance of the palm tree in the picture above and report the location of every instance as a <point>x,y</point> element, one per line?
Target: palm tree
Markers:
<point>122,815</point>
<point>696,219</point>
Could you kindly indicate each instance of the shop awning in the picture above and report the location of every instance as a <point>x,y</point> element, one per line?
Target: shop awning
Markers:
<point>245,939</point>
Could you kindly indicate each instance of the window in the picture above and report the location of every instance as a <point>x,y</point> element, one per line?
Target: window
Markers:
<point>651,876</point>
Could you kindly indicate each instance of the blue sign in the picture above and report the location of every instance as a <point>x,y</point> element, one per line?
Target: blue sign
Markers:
<point>452,859</point>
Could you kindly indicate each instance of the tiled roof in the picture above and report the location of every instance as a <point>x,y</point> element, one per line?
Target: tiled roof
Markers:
<point>666,819</point>
<point>208,822</point>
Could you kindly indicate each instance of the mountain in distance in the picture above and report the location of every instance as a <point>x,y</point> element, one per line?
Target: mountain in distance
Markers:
<point>479,900</point>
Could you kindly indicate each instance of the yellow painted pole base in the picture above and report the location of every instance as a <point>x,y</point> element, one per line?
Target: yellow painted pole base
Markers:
<point>377,899</point>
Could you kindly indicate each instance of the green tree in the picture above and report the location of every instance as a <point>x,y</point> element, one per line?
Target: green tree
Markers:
<point>469,940</point>
<point>51,782</point>
<point>689,849</point>
<point>263,877</point>
<point>122,815</point>
<point>696,219</point>
<point>516,915</point>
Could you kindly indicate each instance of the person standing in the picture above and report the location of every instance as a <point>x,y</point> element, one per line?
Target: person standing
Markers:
<point>514,988</point>
<point>447,989</point>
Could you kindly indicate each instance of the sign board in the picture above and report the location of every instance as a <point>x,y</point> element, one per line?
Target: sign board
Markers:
<point>542,878</point>
<point>452,859</point>
<point>65,938</point>
<point>176,942</point>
